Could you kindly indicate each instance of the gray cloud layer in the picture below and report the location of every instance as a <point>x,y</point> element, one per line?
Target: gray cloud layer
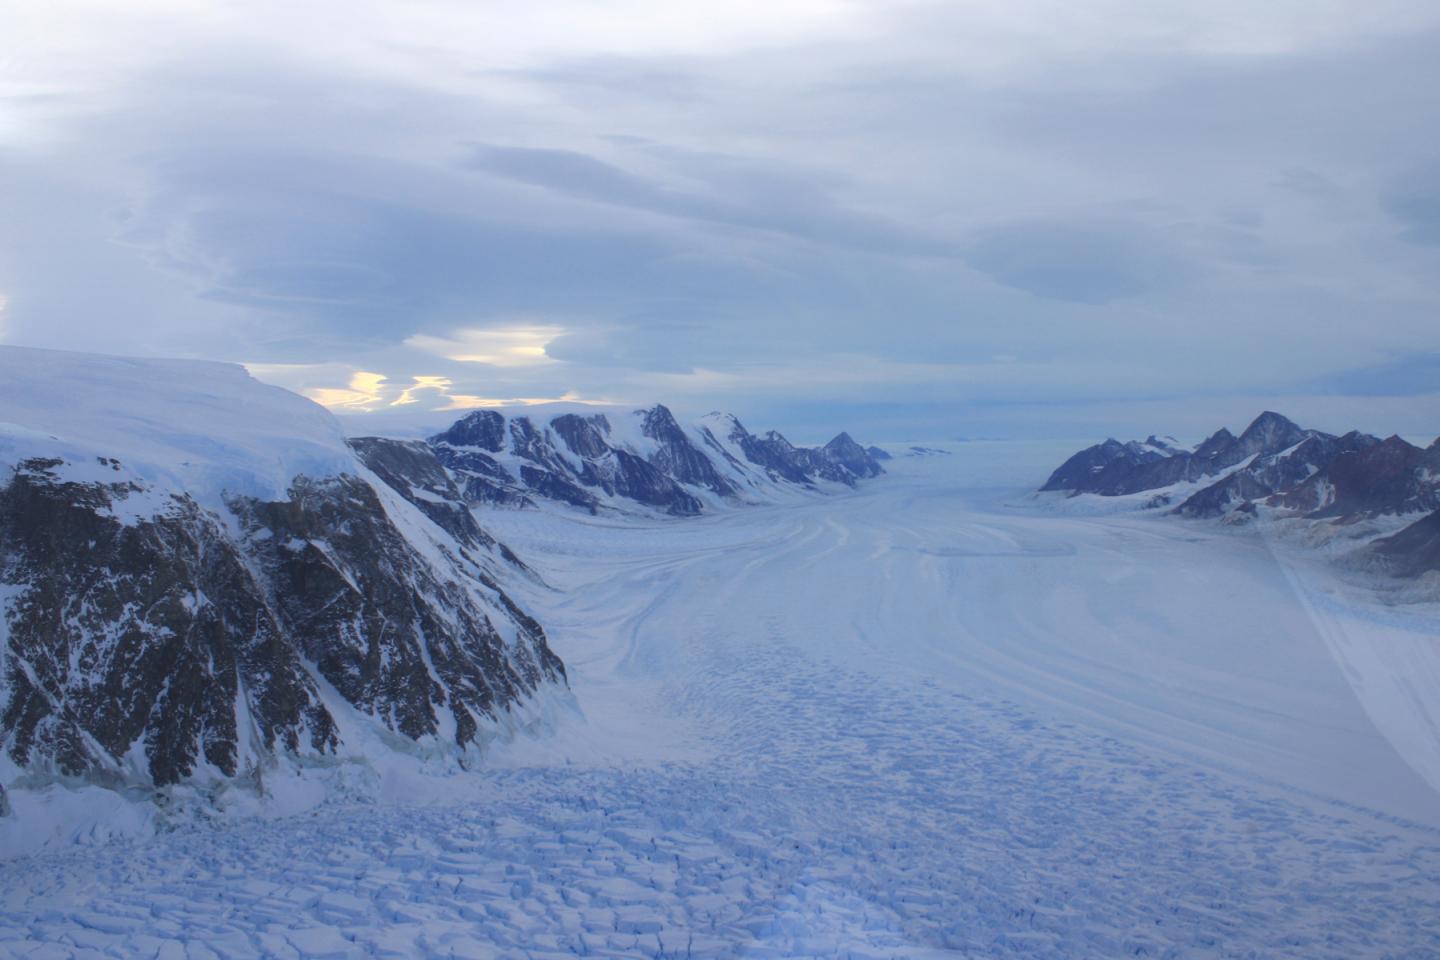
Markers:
<point>903,211</point>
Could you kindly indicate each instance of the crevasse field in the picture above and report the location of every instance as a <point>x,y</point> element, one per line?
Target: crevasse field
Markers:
<point>933,717</point>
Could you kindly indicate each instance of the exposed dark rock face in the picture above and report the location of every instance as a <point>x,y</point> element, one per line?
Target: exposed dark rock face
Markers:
<point>1079,472</point>
<point>551,486</point>
<point>1115,469</point>
<point>466,449</point>
<point>675,456</point>
<point>482,478</point>
<point>138,633</point>
<point>144,626</point>
<point>853,457</point>
<point>552,475</point>
<point>393,635</point>
<point>1391,476</point>
<point>878,454</point>
<point>626,475</point>
<point>1415,550</point>
<point>1269,433</point>
<point>411,469</point>
<point>1276,464</point>
<point>1220,498</point>
<point>1273,473</point>
<point>585,436</point>
<point>776,454</point>
<point>578,460</point>
<point>484,429</point>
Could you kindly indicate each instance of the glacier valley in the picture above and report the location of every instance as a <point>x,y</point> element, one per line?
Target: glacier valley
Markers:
<point>930,716</point>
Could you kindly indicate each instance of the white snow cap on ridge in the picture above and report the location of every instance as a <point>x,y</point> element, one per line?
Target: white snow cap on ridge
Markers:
<point>203,427</point>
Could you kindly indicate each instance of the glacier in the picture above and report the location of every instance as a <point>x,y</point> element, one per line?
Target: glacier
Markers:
<point>931,716</point>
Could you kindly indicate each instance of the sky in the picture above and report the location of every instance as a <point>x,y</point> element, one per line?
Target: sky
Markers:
<point>915,220</point>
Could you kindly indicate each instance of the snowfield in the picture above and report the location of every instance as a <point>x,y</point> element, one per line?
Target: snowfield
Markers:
<point>932,717</point>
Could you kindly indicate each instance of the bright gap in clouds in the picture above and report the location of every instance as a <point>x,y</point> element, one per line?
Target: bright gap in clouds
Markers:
<point>367,392</point>
<point>517,346</point>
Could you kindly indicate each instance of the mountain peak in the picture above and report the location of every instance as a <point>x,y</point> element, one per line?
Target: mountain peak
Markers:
<point>1270,422</point>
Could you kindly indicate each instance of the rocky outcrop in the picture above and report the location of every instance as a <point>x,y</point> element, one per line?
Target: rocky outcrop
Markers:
<point>411,470</point>
<point>410,641</point>
<point>1273,473</point>
<point>678,458</point>
<point>483,430</point>
<point>133,643</point>
<point>1278,468</point>
<point>1081,473</point>
<point>1113,469</point>
<point>1390,476</point>
<point>1119,469</point>
<point>1415,550</point>
<point>151,640</point>
<point>853,457</point>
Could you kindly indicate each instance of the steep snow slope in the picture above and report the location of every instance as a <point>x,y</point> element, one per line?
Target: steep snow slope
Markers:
<point>914,721</point>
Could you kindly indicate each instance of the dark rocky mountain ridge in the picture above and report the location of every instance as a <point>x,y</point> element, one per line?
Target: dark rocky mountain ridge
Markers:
<point>1277,466</point>
<point>651,461</point>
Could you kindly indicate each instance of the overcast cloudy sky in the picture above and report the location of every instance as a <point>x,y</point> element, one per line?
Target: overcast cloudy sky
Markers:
<point>917,219</point>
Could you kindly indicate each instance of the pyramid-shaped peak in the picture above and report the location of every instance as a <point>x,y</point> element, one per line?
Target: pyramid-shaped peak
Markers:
<point>774,436</point>
<point>1270,422</point>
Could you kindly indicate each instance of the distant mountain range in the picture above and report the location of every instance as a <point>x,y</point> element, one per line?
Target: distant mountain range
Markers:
<point>645,459</point>
<point>1281,469</point>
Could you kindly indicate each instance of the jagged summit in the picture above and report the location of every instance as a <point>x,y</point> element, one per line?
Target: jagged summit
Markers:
<point>1276,465</point>
<point>646,459</point>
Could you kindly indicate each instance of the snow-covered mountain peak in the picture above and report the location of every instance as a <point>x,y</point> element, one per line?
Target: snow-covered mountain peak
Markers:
<point>649,459</point>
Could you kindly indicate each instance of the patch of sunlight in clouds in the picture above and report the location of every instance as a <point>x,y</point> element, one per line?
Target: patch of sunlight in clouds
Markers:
<point>515,346</point>
<point>462,401</point>
<point>365,391</point>
<point>441,384</point>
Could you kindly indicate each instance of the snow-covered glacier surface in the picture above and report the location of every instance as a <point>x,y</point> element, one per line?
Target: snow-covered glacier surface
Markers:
<point>934,717</point>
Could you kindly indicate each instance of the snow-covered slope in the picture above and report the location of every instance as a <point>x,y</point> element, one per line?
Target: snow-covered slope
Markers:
<point>208,429</point>
<point>202,585</point>
<point>919,719</point>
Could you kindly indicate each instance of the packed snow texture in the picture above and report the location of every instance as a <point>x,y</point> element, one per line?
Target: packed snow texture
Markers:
<point>205,428</point>
<point>924,719</point>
